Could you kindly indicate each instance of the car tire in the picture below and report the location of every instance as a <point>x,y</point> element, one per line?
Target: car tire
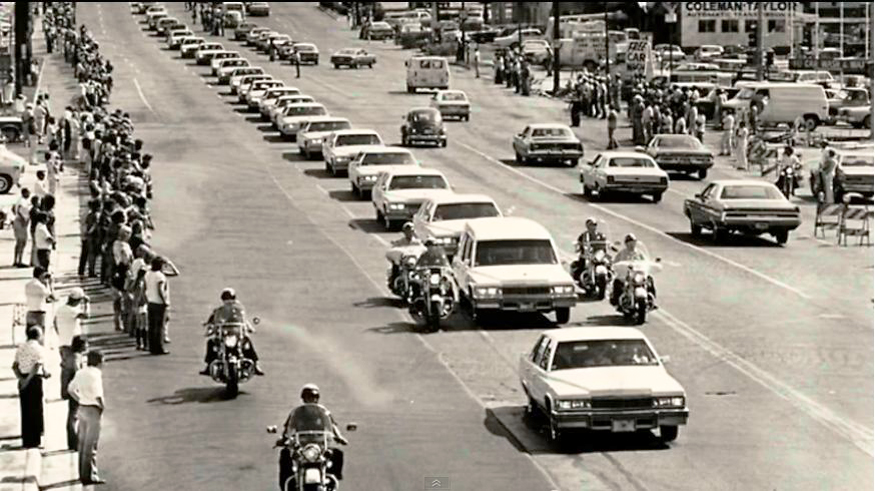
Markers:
<point>356,191</point>
<point>601,194</point>
<point>410,89</point>
<point>517,157</point>
<point>867,122</point>
<point>703,173</point>
<point>5,184</point>
<point>586,191</point>
<point>668,433</point>
<point>533,411</point>
<point>695,230</point>
<point>331,170</point>
<point>811,122</point>
<point>657,197</point>
<point>782,236</point>
<point>467,117</point>
<point>404,141</point>
<point>720,234</point>
<point>371,66</point>
<point>444,144</point>
<point>563,315</point>
<point>336,66</point>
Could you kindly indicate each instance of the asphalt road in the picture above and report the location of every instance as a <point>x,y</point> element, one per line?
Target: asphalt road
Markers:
<point>773,344</point>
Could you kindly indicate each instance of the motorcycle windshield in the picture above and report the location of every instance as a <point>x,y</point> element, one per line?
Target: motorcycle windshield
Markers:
<point>645,265</point>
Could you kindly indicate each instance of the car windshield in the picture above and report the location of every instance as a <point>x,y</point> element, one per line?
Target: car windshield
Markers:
<point>511,252</point>
<point>861,160</point>
<point>464,211</point>
<point>305,47</point>
<point>750,191</point>
<point>307,111</point>
<point>629,162</point>
<point>346,52</point>
<point>551,132</point>
<point>329,126</point>
<point>388,159</point>
<point>454,96</point>
<point>418,182</point>
<point>603,353</point>
<point>683,143</point>
<point>343,140</point>
<point>745,94</point>
<point>426,117</point>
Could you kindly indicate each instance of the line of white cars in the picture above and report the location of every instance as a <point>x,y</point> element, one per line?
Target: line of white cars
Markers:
<point>606,378</point>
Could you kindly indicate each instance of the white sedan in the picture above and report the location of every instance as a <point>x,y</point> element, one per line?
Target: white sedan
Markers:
<point>452,104</point>
<point>443,218</point>
<point>603,379</point>
<point>295,115</point>
<point>277,110</point>
<point>398,193</point>
<point>313,133</point>
<point>628,172</point>
<point>365,169</point>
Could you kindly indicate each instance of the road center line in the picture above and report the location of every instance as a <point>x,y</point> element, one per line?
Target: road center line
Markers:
<point>632,221</point>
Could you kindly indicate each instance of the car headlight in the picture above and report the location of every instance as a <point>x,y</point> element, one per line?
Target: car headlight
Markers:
<point>572,404</point>
<point>663,180</point>
<point>487,291</point>
<point>311,452</point>
<point>368,178</point>
<point>396,206</point>
<point>563,289</point>
<point>342,159</point>
<point>434,279</point>
<point>413,130</point>
<point>444,240</point>
<point>230,341</point>
<point>674,401</point>
<point>638,279</point>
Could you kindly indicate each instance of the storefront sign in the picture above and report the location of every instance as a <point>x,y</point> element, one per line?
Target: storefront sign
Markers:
<point>856,66</point>
<point>738,9</point>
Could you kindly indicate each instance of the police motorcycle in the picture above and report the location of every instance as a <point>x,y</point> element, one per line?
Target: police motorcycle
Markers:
<point>592,269</point>
<point>638,294</point>
<point>789,178</point>
<point>311,459</point>
<point>230,366</point>
<point>432,296</point>
<point>402,272</point>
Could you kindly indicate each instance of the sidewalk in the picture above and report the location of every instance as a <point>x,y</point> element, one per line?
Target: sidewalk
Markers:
<point>52,466</point>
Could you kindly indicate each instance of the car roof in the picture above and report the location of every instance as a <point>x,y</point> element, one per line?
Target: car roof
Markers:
<point>548,125</point>
<point>306,104</point>
<point>505,228</point>
<point>462,198</point>
<point>451,91</point>
<point>424,57</point>
<point>414,170</point>
<point>626,153</point>
<point>385,149</point>
<point>741,182</point>
<point>355,131</point>
<point>423,109</point>
<point>328,119</point>
<point>594,333</point>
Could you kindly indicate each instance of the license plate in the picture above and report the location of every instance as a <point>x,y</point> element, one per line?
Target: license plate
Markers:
<point>761,226</point>
<point>527,307</point>
<point>622,425</point>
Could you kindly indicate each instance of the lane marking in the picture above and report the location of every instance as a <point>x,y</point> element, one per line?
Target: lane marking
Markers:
<point>857,434</point>
<point>143,96</point>
<point>636,223</point>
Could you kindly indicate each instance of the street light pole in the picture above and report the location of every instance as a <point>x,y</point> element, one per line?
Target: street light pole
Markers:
<point>556,11</point>
<point>761,29</point>
<point>607,48</point>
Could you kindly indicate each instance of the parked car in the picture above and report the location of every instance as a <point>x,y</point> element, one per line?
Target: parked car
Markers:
<point>296,115</point>
<point>353,58</point>
<point>737,205</point>
<point>547,142</point>
<point>11,168</point>
<point>340,147</point>
<point>601,378</point>
<point>243,29</point>
<point>708,52</point>
<point>855,173</point>
<point>849,97</point>
<point>399,193</point>
<point>277,110</point>
<point>537,51</point>
<point>254,33</point>
<point>627,172</point>
<point>188,46</point>
<point>681,153</point>
<point>452,104</point>
<point>423,125</point>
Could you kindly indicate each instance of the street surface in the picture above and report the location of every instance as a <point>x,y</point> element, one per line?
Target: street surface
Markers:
<point>772,344</point>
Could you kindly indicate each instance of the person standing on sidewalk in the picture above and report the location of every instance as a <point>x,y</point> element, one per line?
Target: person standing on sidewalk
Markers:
<point>37,293</point>
<point>612,128</point>
<point>20,222</point>
<point>43,241</point>
<point>296,60</point>
<point>87,389</point>
<point>741,147</point>
<point>71,343</point>
<point>726,142</point>
<point>30,370</point>
<point>477,61</point>
<point>90,238</point>
<point>158,298</point>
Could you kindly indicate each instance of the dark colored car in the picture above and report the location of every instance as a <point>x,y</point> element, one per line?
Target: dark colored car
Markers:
<point>423,125</point>
<point>377,31</point>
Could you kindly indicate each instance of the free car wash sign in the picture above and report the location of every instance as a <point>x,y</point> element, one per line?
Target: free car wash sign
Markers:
<point>717,10</point>
<point>637,54</point>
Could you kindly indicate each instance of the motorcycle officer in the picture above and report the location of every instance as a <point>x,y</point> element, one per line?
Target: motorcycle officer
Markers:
<point>310,416</point>
<point>788,160</point>
<point>590,238</point>
<point>433,257</point>
<point>409,239</point>
<point>231,311</point>
<point>630,252</point>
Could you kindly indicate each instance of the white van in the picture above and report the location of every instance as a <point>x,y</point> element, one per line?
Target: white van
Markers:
<point>427,72</point>
<point>785,102</point>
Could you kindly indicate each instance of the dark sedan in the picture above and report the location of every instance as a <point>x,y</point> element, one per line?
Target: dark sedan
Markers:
<point>681,153</point>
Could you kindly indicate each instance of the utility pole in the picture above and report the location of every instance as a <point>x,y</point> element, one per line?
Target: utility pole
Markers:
<point>761,29</point>
<point>842,29</point>
<point>816,30</point>
<point>607,48</point>
<point>556,10</point>
<point>22,44</point>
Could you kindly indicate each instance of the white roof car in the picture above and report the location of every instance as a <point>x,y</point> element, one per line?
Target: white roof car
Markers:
<point>342,146</point>
<point>398,193</point>
<point>591,377</point>
<point>366,167</point>
<point>239,74</point>
<point>190,43</point>
<point>272,95</point>
<point>629,172</point>
<point>208,48</point>
<point>296,115</point>
<point>256,92</point>
<point>514,37</point>
<point>452,103</point>
<point>315,130</point>
<point>223,55</point>
<point>227,67</point>
<point>246,84</point>
<point>443,218</point>
<point>280,103</point>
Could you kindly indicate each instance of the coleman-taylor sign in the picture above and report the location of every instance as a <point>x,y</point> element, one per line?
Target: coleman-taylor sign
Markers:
<point>738,9</point>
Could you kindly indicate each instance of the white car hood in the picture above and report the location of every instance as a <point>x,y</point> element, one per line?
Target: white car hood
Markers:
<point>314,134</point>
<point>858,170</point>
<point>350,150</point>
<point>298,119</point>
<point>407,195</point>
<point>373,170</point>
<point>614,381</point>
<point>521,274</point>
<point>445,228</point>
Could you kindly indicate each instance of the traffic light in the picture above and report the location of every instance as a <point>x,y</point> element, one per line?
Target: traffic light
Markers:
<point>752,35</point>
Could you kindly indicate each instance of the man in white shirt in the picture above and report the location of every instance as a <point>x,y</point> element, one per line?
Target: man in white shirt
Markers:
<point>158,301</point>
<point>37,293</point>
<point>43,241</point>
<point>87,389</point>
<point>68,319</point>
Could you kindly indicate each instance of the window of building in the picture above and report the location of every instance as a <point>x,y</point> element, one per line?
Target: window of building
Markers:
<point>750,26</point>
<point>729,26</point>
<point>776,25</point>
<point>707,26</point>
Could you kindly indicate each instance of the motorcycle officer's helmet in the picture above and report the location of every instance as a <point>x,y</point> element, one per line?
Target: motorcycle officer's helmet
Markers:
<point>630,238</point>
<point>591,221</point>
<point>430,242</point>
<point>309,390</point>
<point>408,227</point>
<point>228,294</point>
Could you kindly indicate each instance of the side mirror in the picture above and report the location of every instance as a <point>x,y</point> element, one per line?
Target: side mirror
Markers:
<point>256,320</point>
<point>271,429</point>
<point>352,427</point>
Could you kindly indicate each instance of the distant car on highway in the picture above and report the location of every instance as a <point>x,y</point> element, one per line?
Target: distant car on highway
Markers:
<point>206,51</point>
<point>175,37</point>
<point>227,67</point>
<point>739,205</point>
<point>315,130</point>
<point>514,37</point>
<point>307,53</point>
<point>399,193</point>
<point>603,379</point>
<point>342,146</point>
<point>258,9</point>
<point>220,56</point>
<point>241,30</point>
<point>279,106</point>
<point>270,98</point>
<point>423,125</point>
<point>239,83</point>
<point>443,218</point>
<point>253,97</point>
<point>365,168</point>
<point>707,52</point>
<point>188,46</point>
<point>353,58</point>
<point>296,115</point>
<point>547,142</point>
<point>376,31</point>
<point>452,104</point>
<point>626,172</point>
<point>681,153</point>
<point>254,33</point>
